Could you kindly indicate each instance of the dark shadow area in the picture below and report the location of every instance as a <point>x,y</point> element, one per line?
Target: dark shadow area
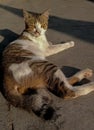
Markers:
<point>13,10</point>
<point>8,36</point>
<point>76,28</point>
<point>83,30</point>
<point>91,0</point>
<point>69,71</point>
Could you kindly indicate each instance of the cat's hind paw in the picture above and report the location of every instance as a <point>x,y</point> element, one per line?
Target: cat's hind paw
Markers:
<point>86,73</point>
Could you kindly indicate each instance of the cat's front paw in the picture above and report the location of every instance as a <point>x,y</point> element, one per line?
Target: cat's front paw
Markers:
<point>71,43</point>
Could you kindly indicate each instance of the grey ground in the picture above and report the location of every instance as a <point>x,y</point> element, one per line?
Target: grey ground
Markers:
<point>69,20</point>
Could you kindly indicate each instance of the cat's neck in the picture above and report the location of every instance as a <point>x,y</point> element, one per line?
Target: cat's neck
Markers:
<point>35,39</point>
<point>40,41</point>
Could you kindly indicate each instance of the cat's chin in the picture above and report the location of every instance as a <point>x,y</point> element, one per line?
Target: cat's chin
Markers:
<point>36,34</point>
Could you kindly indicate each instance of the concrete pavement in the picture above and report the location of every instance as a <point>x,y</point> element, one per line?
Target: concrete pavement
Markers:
<point>69,20</point>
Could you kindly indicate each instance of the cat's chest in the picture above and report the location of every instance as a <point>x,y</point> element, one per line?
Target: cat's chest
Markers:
<point>41,42</point>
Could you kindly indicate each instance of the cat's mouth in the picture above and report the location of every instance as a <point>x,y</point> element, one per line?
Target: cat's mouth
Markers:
<point>37,33</point>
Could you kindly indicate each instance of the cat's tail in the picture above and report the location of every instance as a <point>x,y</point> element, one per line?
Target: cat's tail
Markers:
<point>39,101</point>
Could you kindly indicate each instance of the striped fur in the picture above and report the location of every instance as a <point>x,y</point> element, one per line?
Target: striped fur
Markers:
<point>28,75</point>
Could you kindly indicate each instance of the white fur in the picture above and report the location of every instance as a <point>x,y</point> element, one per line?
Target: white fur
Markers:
<point>30,46</point>
<point>59,74</point>
<point>41,41</point>
<point>84,89</point>
<point>20,70</point>
<point>40,46</point>
<point>54,49</point>
<point>40,29</point>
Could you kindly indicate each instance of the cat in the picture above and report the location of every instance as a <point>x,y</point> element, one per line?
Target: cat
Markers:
<point>29,77</point>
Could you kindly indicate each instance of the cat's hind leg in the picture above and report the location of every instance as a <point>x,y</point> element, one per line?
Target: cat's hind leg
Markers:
<point>86,73</point>
<point>60,86</point>
<point>83,89</point>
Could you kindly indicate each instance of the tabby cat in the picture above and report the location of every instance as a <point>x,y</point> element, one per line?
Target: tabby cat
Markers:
<point>29,76</point>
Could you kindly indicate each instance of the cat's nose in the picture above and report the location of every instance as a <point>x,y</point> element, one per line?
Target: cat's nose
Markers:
<point>37,32</point>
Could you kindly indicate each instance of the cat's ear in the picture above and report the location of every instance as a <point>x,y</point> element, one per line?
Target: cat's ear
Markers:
<point>25,14</point>
<point>46,13</point>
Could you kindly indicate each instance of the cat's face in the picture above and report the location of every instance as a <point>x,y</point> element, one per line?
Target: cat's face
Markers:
<point>36,24</point>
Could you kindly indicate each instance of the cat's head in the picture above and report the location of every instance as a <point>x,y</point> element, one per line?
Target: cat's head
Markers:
<point>36,24</point>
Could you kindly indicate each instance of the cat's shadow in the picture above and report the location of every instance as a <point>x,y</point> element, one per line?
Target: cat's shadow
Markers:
<point>8,36</point>
<point>91,0</point>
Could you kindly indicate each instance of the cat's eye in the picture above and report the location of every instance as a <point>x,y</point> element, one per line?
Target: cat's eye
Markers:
<point>44,26</point>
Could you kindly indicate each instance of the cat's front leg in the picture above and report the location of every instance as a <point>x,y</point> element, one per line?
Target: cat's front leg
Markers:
<point>54,49</point>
